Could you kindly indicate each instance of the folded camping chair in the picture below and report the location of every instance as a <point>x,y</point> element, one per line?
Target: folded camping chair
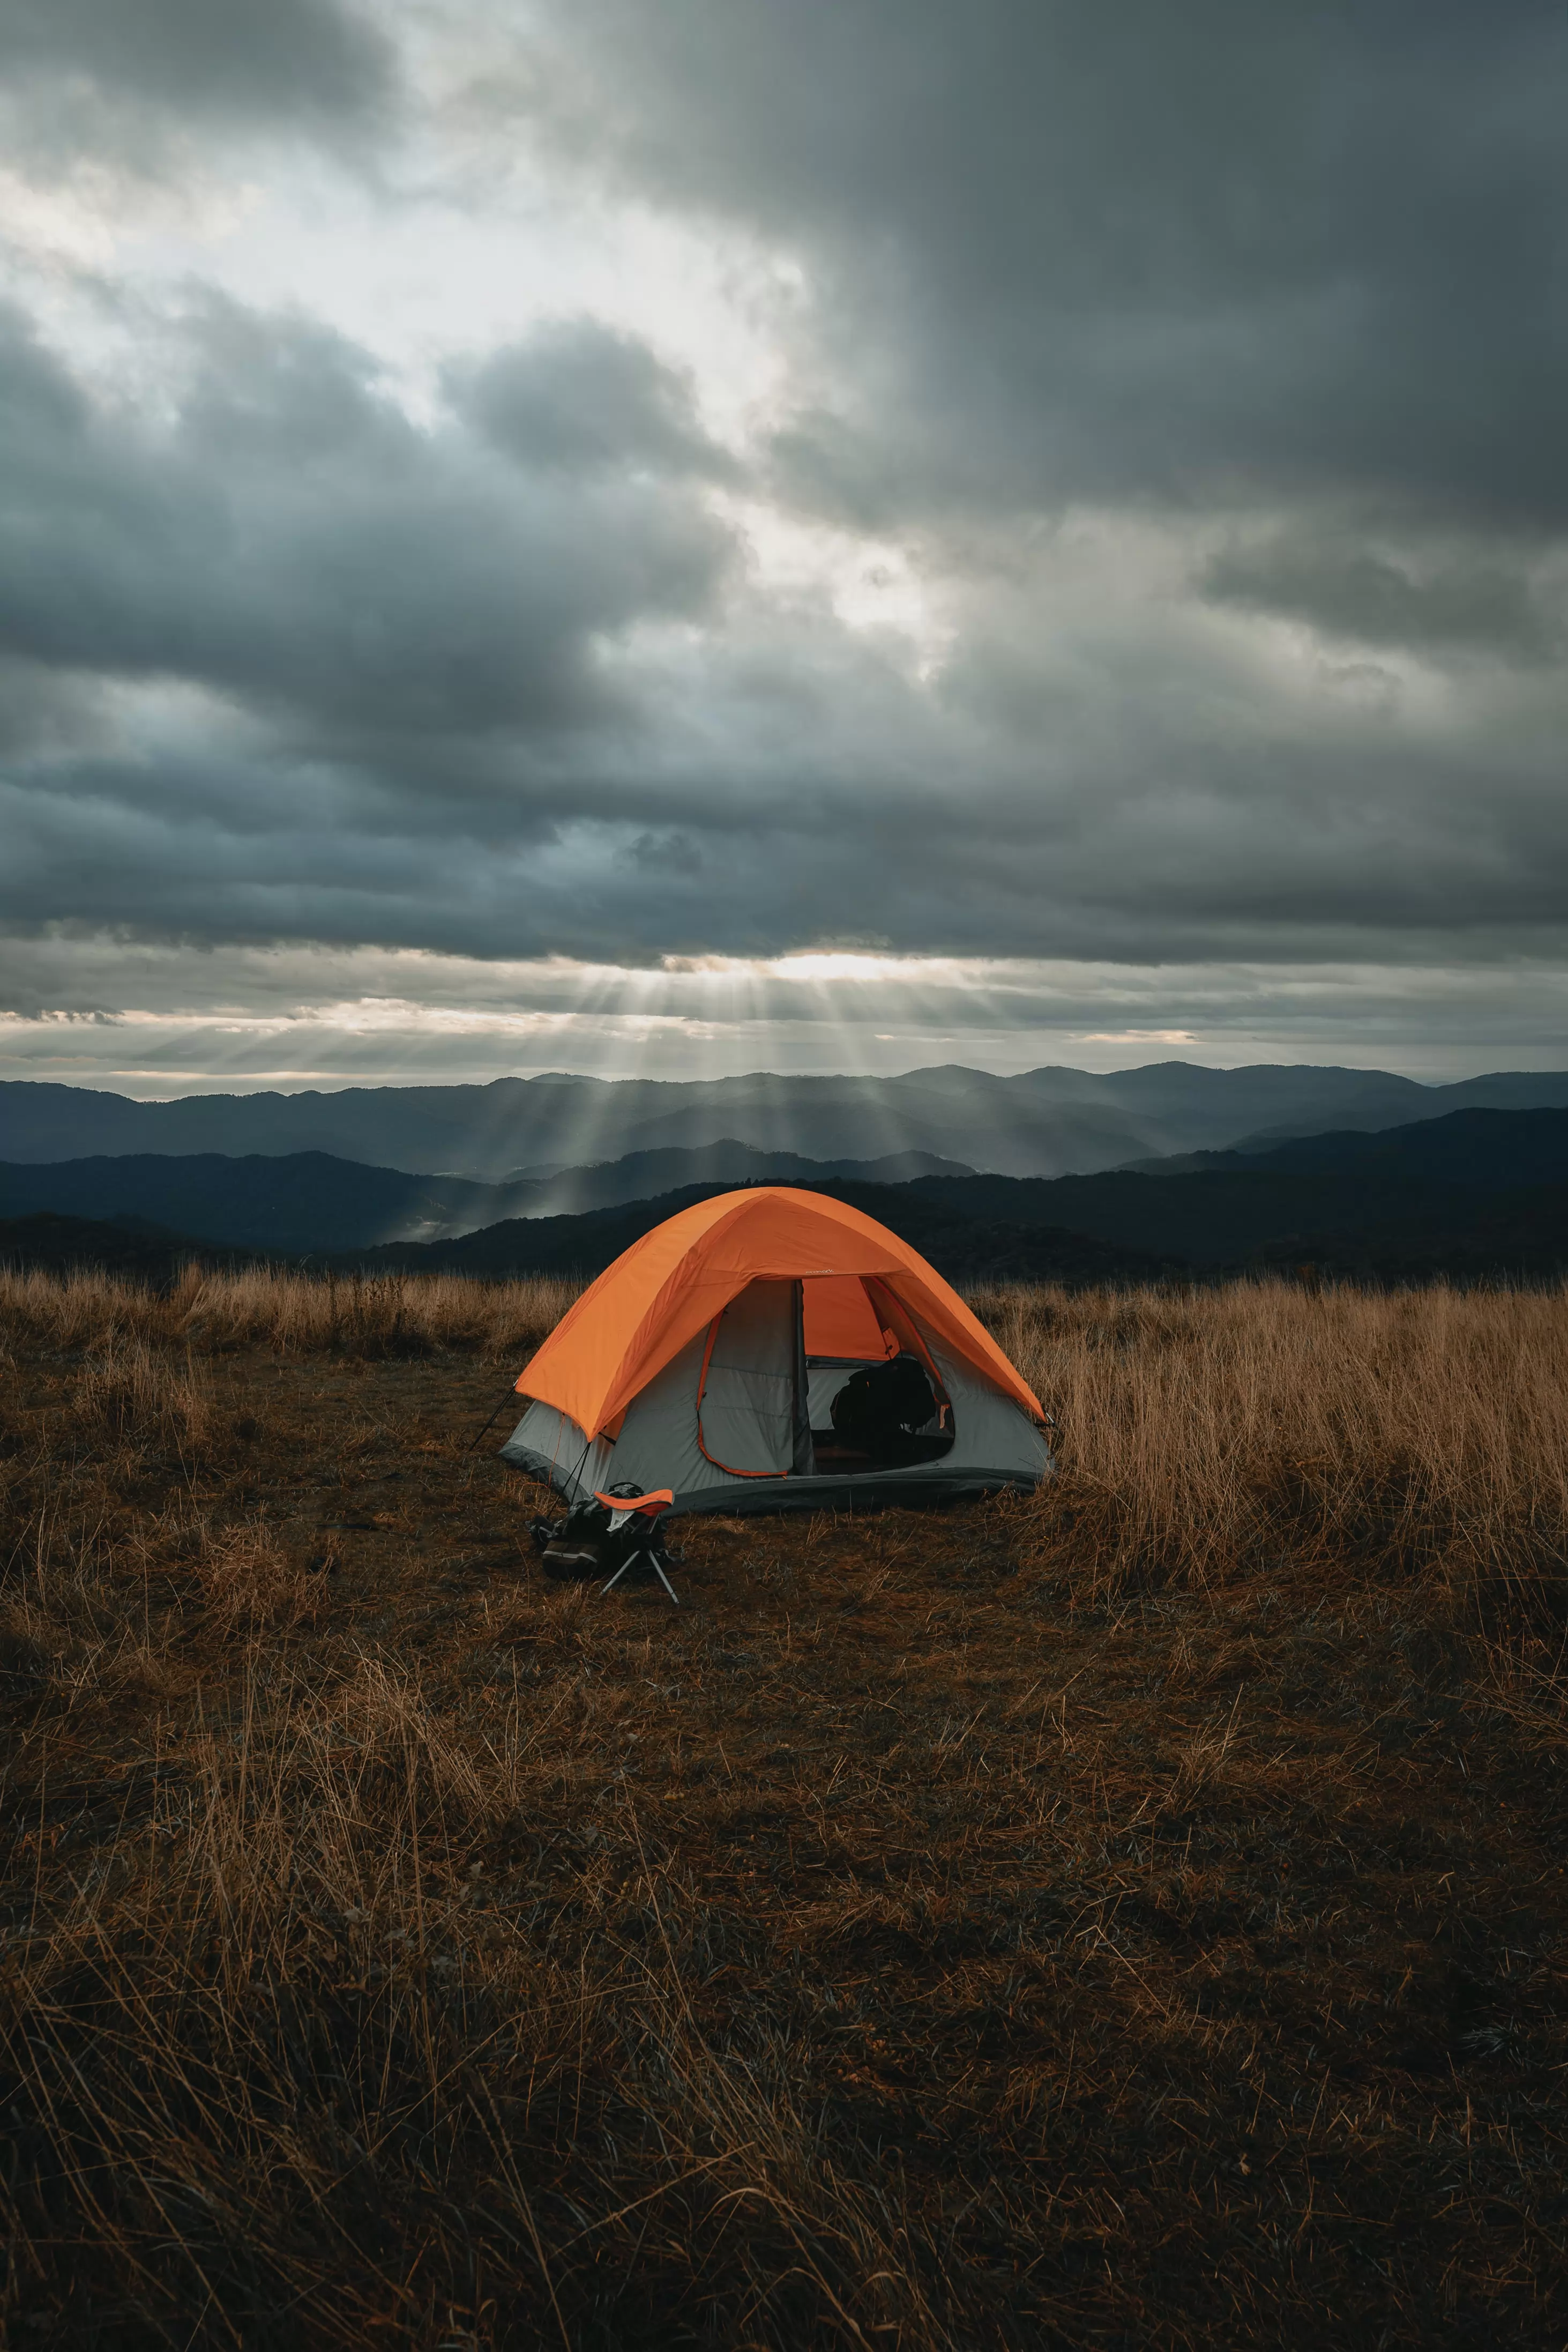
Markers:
<point>645,1549</point>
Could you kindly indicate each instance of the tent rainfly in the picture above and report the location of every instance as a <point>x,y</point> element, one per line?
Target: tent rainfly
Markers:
<point>713,1359</point>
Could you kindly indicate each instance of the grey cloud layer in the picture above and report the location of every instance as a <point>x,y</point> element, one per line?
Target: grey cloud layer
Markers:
<point>1151,251</point>
<point>1310,261</point>
<point>137,77</point>
<point>580,399</point>
<point>1210,361</point>
<point>296,543</point>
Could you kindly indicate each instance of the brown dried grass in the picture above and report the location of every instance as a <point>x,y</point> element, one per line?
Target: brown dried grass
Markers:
<point>1207,1434</point>
<point>1130,1916</point>
<point>367,1316</point>
<point>247,1578</point>
<point>134,1395</point>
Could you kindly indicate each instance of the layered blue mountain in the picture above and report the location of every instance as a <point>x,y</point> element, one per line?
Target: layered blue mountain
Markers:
<point>1480,1194</point>
<point>1477,1193</point>
<point>1045,1122</point>
<point>310,1202</point>
<point>1475,1190</point>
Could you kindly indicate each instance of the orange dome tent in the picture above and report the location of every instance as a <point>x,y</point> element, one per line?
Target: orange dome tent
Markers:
<point>708,1357</point>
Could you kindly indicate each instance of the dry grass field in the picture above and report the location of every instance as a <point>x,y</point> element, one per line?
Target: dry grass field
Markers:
<point>1132,1916</point>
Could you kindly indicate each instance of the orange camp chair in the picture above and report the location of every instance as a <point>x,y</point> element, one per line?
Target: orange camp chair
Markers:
<point>649,1508</point>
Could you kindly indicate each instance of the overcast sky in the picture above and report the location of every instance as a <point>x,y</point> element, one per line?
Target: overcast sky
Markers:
<point>688,535</point>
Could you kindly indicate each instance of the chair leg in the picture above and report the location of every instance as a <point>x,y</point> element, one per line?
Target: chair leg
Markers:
<point>652,1560</point>
<point>659,1572</point>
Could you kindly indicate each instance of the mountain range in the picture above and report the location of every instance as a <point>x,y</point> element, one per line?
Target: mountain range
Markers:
<point>1045,1122</point>
<point>309,1202</point>
<point>1473,1193</point>
<point>1477,1194</point>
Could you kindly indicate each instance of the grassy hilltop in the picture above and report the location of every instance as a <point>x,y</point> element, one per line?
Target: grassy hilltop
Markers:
<point>1130,1916</point>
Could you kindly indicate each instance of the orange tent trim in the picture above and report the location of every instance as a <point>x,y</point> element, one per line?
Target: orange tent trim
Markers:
<point>671,1284</point>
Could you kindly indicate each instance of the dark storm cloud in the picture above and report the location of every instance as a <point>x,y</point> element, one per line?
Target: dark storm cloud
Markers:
<point>1133,324</point>
<point>118,68</point>
<point>582,399</point>
<point>1439,599</point>
<point>1143,251</point>
<point>363,660</point>
<point>1300,265</point>
<point>294,542</point>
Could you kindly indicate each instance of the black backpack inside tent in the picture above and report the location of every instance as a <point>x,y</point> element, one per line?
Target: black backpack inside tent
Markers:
<point>889,1413</point>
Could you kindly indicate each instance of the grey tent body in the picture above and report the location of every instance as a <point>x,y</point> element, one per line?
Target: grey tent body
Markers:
<point>740,1421</point>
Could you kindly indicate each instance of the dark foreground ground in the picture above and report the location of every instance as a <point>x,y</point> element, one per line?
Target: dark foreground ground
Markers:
<point>888,1948</point>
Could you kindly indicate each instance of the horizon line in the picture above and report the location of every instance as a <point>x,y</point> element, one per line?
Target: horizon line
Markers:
<point>226,1087</point>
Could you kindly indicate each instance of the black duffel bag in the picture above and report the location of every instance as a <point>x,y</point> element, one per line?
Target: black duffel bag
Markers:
<point>584,1545</point>
<point>878,1411</point>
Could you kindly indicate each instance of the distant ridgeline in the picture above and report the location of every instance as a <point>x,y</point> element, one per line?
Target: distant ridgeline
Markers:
<point>528,1132</point>
<point>1476,1194</point>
